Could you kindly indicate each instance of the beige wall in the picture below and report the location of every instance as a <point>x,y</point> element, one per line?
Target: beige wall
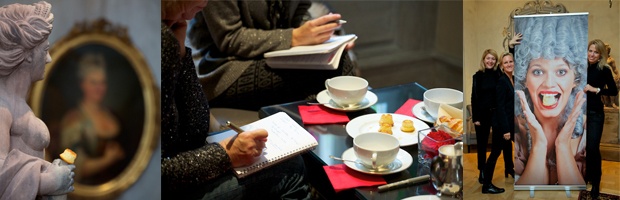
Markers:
<point>484,21</point>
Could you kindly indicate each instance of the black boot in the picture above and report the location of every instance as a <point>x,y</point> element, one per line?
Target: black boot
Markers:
<point>594,192</point>
<point>481,177</point>
<point>491,189</point>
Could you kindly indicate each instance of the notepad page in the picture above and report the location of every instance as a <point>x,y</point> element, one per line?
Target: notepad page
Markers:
<point>286,137</point>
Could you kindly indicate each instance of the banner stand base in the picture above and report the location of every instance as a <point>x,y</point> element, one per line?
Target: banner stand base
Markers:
<point>567,188</point>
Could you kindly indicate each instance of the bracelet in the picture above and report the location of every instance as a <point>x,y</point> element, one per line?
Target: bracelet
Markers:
<point>598,90</point>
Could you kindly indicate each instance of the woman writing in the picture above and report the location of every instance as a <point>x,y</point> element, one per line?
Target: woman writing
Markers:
<point>190,167</point>
<point>483,104</point>
<point>600,82</point>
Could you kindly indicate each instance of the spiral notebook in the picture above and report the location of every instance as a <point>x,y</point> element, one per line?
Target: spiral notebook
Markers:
<point>286,139</point>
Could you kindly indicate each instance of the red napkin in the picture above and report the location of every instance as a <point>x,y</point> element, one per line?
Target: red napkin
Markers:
<point>343,178</point>
<point>316,114</point>
<point>405,109</point>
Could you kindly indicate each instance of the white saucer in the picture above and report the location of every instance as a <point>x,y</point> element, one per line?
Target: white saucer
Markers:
<point>369,100</point>
<point>403,157</point>
<point>422,114</point>
<point>370,123</point>
<point>423,197</point>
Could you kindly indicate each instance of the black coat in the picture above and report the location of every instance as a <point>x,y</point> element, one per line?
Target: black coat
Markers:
<point>483,94</point>
<point>505,100</point>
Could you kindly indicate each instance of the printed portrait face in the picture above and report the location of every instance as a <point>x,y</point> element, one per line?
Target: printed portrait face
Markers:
<point>489,61</point>
<point>549,83</point>
<point>508,64</point>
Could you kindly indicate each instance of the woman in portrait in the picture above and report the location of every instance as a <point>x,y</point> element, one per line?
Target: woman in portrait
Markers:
<point>24,174</point>
<point>483,104</point>
<point>231,38</point>
<point>90,128</point>
<point>549,82</point>
<point>600,82</point>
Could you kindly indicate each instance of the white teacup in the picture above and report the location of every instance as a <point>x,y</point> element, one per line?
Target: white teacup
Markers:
<point>376,149</point>
<point>436,96</point>
<point>346,90</point>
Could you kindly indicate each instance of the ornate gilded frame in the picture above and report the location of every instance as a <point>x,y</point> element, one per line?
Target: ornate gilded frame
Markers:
<point>530,8</point>
<point>102,33</point>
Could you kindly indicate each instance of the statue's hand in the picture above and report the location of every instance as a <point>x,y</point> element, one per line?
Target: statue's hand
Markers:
<point>57,179</point>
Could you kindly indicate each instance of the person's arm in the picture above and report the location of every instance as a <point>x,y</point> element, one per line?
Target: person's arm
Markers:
<point>474,101</point>
<point>501,93</point>
<point>536,171</point>
<point>568,172</point>
<point>608,80</point>
<point>223,20</point>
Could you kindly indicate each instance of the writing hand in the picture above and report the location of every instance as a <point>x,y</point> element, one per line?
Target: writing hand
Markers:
<point>315,31</point>
<point>245,147</point>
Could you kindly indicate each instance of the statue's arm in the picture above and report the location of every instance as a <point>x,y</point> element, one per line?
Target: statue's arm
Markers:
<point>5,135</point>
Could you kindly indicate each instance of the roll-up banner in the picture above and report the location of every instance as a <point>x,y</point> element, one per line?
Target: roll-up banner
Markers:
<point>550,69</point>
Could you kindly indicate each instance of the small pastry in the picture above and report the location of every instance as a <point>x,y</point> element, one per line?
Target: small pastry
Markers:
<point>407,126</point>
<point>384,128</point>
<point>68,156</point>
<point>386,120</point>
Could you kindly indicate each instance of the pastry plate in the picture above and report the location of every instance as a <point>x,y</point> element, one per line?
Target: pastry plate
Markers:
<point>420,113</point>
<point>370,123</point>
<point>369,100</point>
<point>402,162</point>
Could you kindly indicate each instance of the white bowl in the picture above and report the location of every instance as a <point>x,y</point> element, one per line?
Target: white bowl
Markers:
<point>436,96</point>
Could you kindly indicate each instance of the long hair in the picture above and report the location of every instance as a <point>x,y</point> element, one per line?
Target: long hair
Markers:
<point>551,38</point>
<point>22,29</point>
<point>484,54</point>
<point>602,50</point>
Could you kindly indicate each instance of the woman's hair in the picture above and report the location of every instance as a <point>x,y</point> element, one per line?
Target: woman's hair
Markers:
<point>501,59</point>
<point>22,28</point>
<point>484,54</point>
<point>602,50</point>
<point>551,38</point>
<point>89,63</point>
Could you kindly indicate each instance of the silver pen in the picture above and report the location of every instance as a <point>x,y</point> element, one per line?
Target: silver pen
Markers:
<point>409,181</point>
<point>234,127</point>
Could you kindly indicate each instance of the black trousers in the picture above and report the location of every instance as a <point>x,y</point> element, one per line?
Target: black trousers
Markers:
<point>499,144</point>
<point>482,137</point>
<point>594,127</point>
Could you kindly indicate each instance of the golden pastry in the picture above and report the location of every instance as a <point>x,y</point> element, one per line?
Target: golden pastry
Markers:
<point>407,126</point>
<point>384,128</point>
<point>386,120</point>
<point>68,156</point>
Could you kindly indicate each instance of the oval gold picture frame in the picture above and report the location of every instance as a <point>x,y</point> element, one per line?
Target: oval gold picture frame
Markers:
<point>47,97</point>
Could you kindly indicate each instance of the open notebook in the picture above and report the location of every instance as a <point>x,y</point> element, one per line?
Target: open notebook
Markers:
<point>324,56</point>
<point>286,139</point>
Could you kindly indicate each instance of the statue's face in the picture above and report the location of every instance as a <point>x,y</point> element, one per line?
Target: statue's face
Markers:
<point>40,58</point>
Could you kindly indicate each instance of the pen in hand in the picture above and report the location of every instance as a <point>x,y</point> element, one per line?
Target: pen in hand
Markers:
<point>239,130</point>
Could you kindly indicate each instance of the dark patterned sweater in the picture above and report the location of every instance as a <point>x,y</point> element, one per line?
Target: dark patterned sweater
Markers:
<point>186,160</point>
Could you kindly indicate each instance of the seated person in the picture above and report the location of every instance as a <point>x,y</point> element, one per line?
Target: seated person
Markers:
<point>190,167</point>
<point>232,36</point>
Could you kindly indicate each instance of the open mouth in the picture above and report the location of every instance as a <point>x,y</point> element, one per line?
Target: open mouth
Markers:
<point>549,99</point>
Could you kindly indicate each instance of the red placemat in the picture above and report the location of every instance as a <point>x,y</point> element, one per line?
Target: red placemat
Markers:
<point>343,178</point>
<point>315,114</point>
<point>406,108</point>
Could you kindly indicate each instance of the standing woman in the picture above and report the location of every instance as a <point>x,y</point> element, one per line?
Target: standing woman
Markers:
<point>483,103</point>
<point>599,76</point>
<point>503,124</point>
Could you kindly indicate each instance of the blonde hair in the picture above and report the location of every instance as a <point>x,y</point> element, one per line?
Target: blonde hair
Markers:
<point>484,54</point>
<point>501,58</point>
<point>602,50</point>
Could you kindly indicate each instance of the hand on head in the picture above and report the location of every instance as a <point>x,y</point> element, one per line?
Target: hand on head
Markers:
<point>245,147</point>
<point>315,31</point>
<point>565,134</point>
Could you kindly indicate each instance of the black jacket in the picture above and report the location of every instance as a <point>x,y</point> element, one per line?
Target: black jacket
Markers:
<point>505,100</point>
<point>483,93</point>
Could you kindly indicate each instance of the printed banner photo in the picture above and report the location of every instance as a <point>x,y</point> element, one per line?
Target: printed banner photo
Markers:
<point>550,70</point>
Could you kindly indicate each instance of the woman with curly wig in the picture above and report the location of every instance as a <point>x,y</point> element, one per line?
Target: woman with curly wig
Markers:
<point>550,75</point>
